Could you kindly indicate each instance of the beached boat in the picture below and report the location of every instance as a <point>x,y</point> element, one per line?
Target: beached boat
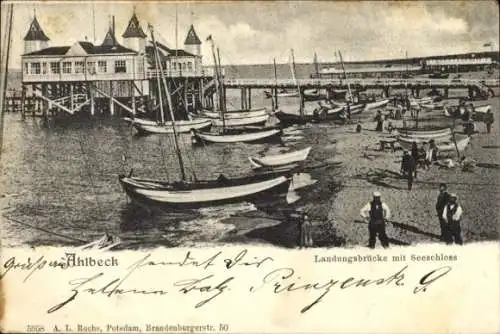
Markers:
<point>192,195</point>
<point>151,127</point>
<point>454,111</point>
<point>289,118</point>
<point>232,122</point>
<point>232,113</point>
<point>442,146</point>
<point>376,104</point>
<point>249,137</point>
<point>313,95</point>
<point>425,133</point>
<point>282,93</point>
<point>280,159</point>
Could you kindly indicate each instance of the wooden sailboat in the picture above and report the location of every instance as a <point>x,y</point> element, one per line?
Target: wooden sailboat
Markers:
<point>226,123</point>
<point>287,118</point>
<point>201,193</point>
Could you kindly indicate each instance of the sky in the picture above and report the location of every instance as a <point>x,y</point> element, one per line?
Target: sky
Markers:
<point>257,32</point>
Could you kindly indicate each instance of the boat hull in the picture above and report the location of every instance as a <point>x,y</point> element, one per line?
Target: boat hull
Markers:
<point>442,147</point>
<point>252,137</point>
<point>150,127</point>
<point>280,159</point>
<point>430,134</point>
<point>231,122</point>
<point>376,104</point>
<point>233,114</point>
<point>205,193</point>
<point>290,119</point>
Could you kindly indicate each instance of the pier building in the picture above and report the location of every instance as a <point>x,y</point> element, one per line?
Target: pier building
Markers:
<point>111,77</point>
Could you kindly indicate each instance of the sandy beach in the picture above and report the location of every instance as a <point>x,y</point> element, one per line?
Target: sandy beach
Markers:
<point>335,201</point>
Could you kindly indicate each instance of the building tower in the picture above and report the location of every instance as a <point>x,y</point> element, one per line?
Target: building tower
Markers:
<point>192,44</point>
<point>35,38</point>
<point>134,37</point>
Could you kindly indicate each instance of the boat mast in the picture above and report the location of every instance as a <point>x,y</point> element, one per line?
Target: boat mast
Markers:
<point>296,81</point>
<point>216,73</point>
<point>169,101</point>
<point>275,92</point>
<point>222,96</point>
<point>157,70</point>
<point>345,77</point>
<point>406,75</point>
<point>3,104</point>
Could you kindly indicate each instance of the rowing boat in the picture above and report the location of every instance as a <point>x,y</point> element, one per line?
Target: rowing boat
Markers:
<point>280,159</point>
<point>443,146</point>
<point>241,121</point>
<point>256,136</point>
<point>376,104</point>
<point>232,113</point>
<point>425,133</point>
<point>151,127</point>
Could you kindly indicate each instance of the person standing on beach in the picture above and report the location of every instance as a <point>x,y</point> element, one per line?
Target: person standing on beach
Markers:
<point>305,227</point>
<point>415,154</point>
<point>441,203</point>
<point>376,212</point>
<point>488,120</point>
<point>452,213</point>
<point>408,167</point>
<point>380,121</point>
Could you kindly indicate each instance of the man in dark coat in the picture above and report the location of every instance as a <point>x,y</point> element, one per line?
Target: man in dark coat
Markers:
<point>441,202</point>
<point>453,214</point>
<point>376,212</point>
<point>408,167</point>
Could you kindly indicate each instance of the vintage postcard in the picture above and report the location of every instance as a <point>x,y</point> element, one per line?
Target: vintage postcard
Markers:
<point>249,167</point>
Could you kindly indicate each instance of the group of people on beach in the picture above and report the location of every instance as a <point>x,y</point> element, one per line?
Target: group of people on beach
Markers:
<point>377,214</point>
<point>448,210</point>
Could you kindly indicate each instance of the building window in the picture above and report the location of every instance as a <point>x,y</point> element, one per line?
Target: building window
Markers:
<point>175,66</point>
<point>67,67</point>
<point>35,68</point>
<point>91,67</point>
<point>55,68</point>
<point>190,66</point>
<point>26,68</point>
<point>79,66</point>
<point>183,66</point>
<point>102,66</point>
<point>120,66</point>
<point>44,68</point>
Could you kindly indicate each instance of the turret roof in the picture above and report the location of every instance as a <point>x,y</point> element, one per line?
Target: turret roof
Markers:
<point>192,37</point>
<point>35,32</point>
<point>109,39</point>
<point>134,28</point>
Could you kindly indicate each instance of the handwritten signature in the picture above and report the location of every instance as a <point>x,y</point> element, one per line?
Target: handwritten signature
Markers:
<point>277,281</point>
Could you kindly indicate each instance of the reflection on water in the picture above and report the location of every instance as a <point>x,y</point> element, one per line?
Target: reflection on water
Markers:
<point>65,179</point>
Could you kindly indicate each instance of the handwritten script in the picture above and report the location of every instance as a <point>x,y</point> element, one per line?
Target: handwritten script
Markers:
<point>210,276</point>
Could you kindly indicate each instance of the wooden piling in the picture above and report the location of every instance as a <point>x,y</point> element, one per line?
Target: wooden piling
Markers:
<point>249,106</point>
<point>23,101</point>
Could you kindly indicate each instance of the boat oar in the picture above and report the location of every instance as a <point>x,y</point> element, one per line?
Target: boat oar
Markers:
<point>46,231</point>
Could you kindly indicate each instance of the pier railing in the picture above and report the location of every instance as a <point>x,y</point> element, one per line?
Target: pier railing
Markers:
<point>289,83</point>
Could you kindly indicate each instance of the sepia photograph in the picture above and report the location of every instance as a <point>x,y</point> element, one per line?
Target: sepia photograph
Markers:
<point>329,130</point>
